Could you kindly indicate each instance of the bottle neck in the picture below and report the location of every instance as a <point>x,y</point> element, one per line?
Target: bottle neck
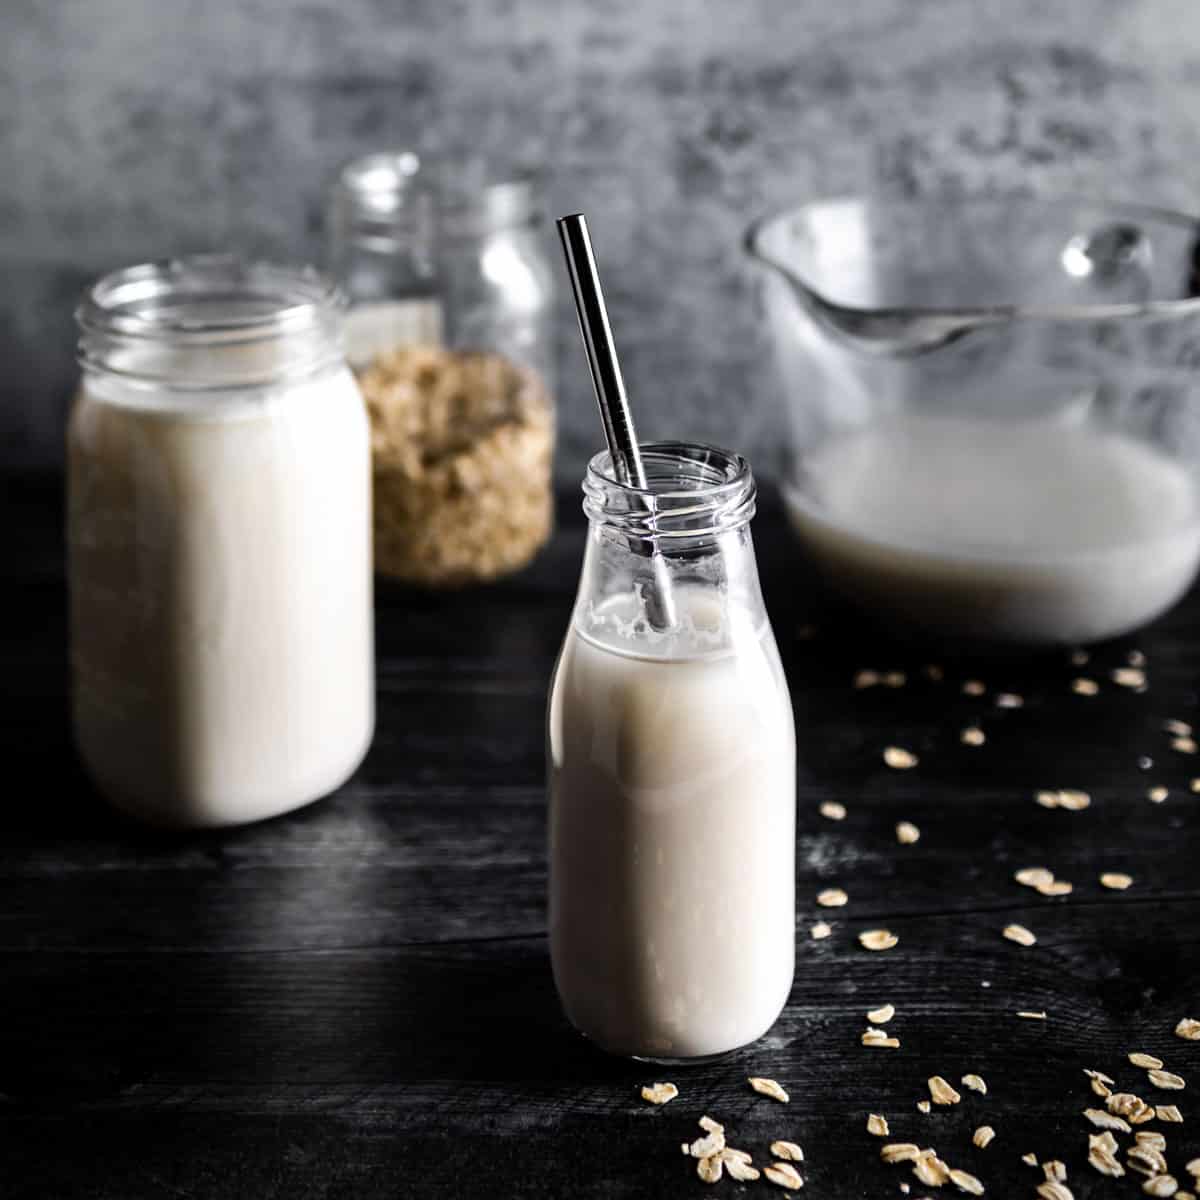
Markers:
<point>688,529</point>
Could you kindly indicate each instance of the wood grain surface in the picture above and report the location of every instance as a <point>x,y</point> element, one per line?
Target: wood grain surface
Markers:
<point>356,1000</point>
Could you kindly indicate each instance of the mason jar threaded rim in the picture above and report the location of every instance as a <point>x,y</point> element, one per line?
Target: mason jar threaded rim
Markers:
<point>131,320</point>
<point>695,490</point>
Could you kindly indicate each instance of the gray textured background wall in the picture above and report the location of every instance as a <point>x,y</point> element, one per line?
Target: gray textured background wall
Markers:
<point>137,128</point>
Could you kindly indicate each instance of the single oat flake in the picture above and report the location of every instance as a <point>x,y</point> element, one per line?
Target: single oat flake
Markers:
<point>1188,1029</point>
<point>1053,1190</point>
<point>1084,687</point>
<point>1104,1120</point>
<point>941,1092</point>
<point>833,810</point>
<point>1020,935</point>
<point>1056,887</point>
<point>982,1137</point>
<point>972,736</point>
<point>1177,728</point>
<point>966,1182</point>
<point>1055,1171</point>
<point>787,1151</point>
<point>1129,677</point>
<point>768,1087</point>
<point>739,1168</point>
<point>1031,1016</point>
<point>820,931</point>
<point>832,898</point>
<point>1118,881</point>
<point>882,1015</point>
<point>866,679</point>
<point>975,1083</point>
<point>899,759</point>
<point>1161,1185</point>
<point>1185,745</point>
<point>877,939</point>
<point>1157,794</point>
<point>973,687</point>
<point>1169,1114</point>
<point>1155,1141</point>
<point>923,1106</point>
<point>784,1175</point>
<point>876,1125</point>
<point>708,1145</point>
<point>930,1169</point>
<point>899,1152</point>
<point>893,679</point>
<point>659,1093</point>
<point>1167,1081</point>
<point>907,833</point>
<point>1009,700</point>
<point>709,1125</point>
<point>1030,1159</point>
<point>1034,876</point>
<point>1146,1061</point>
<point>878,1038</point>
<point>709,1169</point>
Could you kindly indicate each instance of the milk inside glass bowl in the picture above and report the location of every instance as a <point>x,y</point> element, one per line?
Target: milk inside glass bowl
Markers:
<point>993,409</point>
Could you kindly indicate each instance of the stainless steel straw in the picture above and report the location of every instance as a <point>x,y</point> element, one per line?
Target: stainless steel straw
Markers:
<point>611,398</point>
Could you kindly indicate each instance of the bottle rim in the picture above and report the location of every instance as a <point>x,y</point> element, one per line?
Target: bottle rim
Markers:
<point>210,301</point>
<point>694,490</point>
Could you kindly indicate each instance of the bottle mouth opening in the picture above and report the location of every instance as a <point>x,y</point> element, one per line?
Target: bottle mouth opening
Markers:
<point>692,490</point>
<point>210,321</point>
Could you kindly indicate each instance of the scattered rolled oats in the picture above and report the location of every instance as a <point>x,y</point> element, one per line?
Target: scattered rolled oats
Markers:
<point>820,931</point>
<point>1056,887</point>
<point>1009,700</point>
<point>941,1092</point>
<point>1188,1029</point>
<point>1084,687</point>
<point>709,1169</point>
<point>930,1169</point>
<point>866,679</point>
<point>659,1093</point>
<point>923,1106</point>
<point>877,939</point>
<point>1019,934</point>
<point>975,1083</point>
<point>832,898</point>
<point>1169,1114</point>
<point>1166,1080</point>
<point>899,759</point>
<point>1160,1185</point>
<point>983,1136</point>
<point>784,1175</point>
<point>1104,1120</point>
<point>966,1182</point>
<point>739,1168</point>
<point>1157,794</point>
<point>1034,876</point>
<point>882,1015</point>
<point>907,833</point>
<point>1148,1061</point>
<point>877,1125</point>
<point>768,1087</point>
<point>972,736</point>
<point>899,1152</point>
<point>1102,1154</point>
<point>708,1145</point>
<point>1031,1016</point>
<point>1129,677</point>
<point>1118,881</point>
<point>1051,1190</point>
<point>877,1037</point>
<point>787,1151</point>
<point>833,810</point>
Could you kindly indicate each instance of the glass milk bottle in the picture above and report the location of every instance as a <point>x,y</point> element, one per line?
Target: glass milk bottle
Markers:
<point>219,543</point>
<point>671,761</point>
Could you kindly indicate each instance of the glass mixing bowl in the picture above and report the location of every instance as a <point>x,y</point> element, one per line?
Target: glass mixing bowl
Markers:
<point>993,409</point>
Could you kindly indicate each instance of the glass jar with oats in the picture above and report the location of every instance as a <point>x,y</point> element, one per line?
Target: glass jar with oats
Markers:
<point>450,293</point>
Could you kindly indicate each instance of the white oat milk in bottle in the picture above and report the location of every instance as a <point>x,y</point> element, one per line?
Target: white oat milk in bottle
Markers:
<point>671,761</point>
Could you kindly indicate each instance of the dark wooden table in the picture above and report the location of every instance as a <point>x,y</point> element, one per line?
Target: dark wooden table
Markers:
<point>356,1000</point>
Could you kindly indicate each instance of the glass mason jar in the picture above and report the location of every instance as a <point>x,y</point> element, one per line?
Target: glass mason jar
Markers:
<point>218,536</point>
<point>450,332</point>
<point>671,771</point>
